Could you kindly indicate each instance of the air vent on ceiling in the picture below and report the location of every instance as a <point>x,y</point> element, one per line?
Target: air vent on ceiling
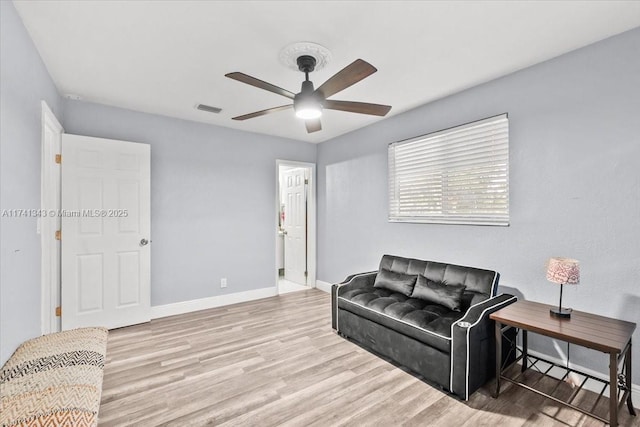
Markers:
<point>209,108</point>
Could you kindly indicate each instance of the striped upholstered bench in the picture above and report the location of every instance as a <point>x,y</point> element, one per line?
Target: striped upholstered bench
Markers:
<point>54,380</point>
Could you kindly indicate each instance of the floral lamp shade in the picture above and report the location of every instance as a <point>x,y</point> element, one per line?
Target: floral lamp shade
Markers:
<point>564,271</point>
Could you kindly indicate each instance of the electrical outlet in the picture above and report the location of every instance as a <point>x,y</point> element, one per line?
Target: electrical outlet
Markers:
<point>223,282</point>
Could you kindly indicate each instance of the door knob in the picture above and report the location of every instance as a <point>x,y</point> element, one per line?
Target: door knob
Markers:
<point>144,242</point>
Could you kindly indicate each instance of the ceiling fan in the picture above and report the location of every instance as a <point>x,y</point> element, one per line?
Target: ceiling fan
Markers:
<point>309,103</point>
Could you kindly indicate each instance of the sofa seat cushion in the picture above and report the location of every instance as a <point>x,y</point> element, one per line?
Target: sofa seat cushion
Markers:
<point>426,322</point>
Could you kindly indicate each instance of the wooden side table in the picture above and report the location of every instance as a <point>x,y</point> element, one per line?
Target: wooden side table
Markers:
<point>605,334</point>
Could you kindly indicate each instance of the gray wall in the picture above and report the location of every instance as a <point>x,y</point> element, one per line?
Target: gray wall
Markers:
<point>574,185</point>
<point>24,83</point>
<point>212,198</point>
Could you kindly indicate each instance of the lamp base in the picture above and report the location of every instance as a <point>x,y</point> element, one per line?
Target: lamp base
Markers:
<point>564,313</point>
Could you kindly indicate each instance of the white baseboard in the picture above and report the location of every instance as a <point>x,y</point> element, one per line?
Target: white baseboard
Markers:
<point>590,385</point>
<point>182,307</point>
<point>323,286</point>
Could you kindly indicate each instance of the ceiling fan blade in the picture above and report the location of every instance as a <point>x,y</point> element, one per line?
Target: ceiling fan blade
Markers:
<point>357,107</point>
<point>244,78</point>
<point>263,112</point>
<point>348,76</point>
<point>313,125</point>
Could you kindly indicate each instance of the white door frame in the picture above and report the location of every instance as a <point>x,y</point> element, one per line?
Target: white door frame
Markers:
<point>311,220</point>
<point>48,224</point>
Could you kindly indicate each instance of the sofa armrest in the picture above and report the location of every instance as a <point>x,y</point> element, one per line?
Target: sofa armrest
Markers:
<point>473,346</point>
<point>481,311</point>
<point>359,280</point>
<point>354,281</point>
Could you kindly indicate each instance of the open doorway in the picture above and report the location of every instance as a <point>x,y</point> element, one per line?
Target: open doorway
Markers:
<point>295,226</point>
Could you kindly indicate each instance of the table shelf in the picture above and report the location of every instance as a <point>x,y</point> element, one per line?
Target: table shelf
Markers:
<point>545,367</point>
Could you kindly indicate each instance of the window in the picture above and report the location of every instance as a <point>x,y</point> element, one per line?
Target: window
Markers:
<point>455,176</point>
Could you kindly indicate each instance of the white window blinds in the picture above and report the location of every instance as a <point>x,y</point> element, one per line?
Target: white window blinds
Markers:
<point>455,176</point>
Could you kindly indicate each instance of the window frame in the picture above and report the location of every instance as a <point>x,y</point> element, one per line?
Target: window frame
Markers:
<point>459,203</point>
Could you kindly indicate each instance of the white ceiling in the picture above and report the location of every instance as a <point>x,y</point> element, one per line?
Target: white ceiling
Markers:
<point>165,57</point>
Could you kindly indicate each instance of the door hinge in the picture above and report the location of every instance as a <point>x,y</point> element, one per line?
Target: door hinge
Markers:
<point>58,158</point>
<point>306,181</point>
<point>58,311</point>
<point>306,273</point>
<point>58,235</point>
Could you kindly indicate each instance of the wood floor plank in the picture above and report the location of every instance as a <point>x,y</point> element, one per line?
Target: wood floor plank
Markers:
<point>277,362</point>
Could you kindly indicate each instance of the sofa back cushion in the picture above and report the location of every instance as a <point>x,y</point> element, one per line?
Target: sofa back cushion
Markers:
<point>395,281</point>
<point>449,296</point>
<point>479,284</point>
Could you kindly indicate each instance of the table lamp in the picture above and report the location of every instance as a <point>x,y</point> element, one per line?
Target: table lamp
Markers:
<point>564,271</point>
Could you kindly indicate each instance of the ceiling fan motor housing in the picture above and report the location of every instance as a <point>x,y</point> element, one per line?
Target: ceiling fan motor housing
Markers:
<point>306,63</point>
<point>307,103</point>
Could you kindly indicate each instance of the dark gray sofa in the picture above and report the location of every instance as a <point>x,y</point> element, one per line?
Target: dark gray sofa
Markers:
<point>454,349</point>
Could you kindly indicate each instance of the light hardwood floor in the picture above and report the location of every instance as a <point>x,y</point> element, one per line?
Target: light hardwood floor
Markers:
<point>277,361</point>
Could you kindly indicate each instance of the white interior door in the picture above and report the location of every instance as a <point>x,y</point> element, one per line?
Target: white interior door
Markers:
<point>295,226</point>
<point>105,232</point>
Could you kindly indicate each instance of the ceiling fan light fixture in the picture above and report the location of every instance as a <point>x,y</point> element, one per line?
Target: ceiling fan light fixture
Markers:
<point>308,111</point>
<point>307,104</point>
